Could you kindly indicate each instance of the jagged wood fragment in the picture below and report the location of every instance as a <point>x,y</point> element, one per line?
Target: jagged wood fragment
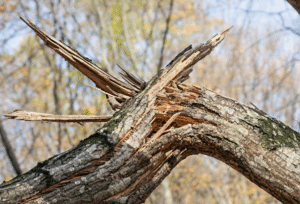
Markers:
<point>165,126</point>
<point>188,52</point>
<point>183,62</point>
<point>114,104</point>
<point>33,116</point>
<point>180,54</point>
<point>83,64</point>
<point>130,78</point>
<point>134,86</point>
<point>183,76</point>
<point>120,97</point>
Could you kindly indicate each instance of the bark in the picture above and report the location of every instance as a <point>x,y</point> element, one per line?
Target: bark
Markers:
<point>155,129</point>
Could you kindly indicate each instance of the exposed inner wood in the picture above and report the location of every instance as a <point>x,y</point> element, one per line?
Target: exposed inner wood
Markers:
<point>154,130</point>
<point>164,127</point>
<point>131,79</point>
<point>84,65</point>
<point>161,123</point>
<point>33,116</point>
<point>166,102</point>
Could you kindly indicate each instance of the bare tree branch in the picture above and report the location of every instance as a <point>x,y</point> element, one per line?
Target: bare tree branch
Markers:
<point>161,59</point>
<point>9,150</point>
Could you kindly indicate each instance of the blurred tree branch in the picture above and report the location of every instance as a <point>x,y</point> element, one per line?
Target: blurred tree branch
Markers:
<point>9,150</point>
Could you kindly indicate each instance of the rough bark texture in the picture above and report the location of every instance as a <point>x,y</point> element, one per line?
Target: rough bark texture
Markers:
<point>154,130</point>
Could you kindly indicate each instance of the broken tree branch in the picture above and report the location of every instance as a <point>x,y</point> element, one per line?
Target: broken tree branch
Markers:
<point>83,64</point>
<point>33,116</point>
<point>183,62</point>
<point>132,79</point>
<point>126,159</point>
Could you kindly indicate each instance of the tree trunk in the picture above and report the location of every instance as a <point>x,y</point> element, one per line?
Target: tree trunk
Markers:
<point>154,130</point>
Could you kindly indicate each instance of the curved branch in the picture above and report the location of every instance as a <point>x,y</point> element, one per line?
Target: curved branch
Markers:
<point>126,159</point>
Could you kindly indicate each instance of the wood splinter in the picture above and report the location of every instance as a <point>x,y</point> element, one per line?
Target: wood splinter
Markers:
<point>33,116</point>
<point>165,126</point>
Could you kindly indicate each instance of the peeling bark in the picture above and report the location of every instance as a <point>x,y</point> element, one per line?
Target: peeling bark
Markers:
<point>155,129</point>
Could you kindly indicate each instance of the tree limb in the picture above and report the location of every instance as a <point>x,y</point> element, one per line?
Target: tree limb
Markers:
<point>83,64</point>
<point>124,144</point>
<point>126,159</point>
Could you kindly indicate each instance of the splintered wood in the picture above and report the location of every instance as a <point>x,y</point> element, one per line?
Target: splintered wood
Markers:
<point>165,89</point>
<point>33,116</point>
<point>173,100</point>
<point>165,126</point>
<point>102,79</point>
<point>117,92</point>
<point>144,124</point>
